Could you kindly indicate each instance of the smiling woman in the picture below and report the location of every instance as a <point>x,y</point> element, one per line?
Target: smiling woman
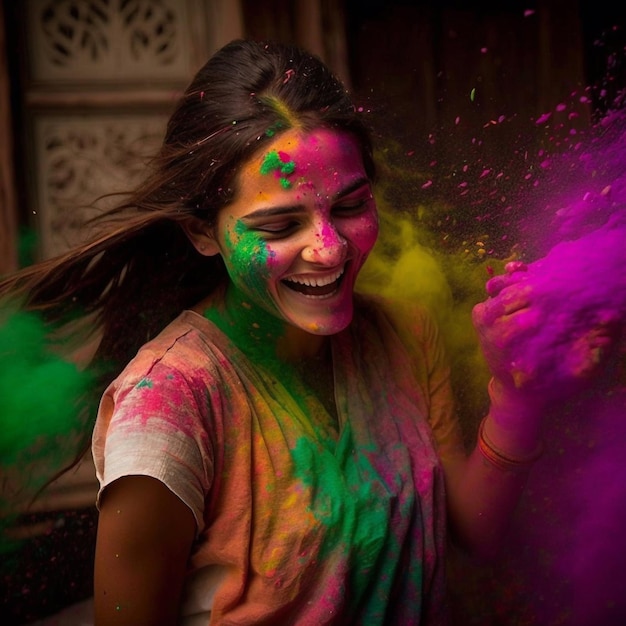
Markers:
<point>295,250</point>
<point>271,446</point>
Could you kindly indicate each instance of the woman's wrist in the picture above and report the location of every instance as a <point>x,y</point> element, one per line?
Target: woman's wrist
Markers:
<point>504,458</point>
<point>513,425</point>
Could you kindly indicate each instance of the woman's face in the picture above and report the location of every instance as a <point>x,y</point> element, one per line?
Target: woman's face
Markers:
<point>301,226</point>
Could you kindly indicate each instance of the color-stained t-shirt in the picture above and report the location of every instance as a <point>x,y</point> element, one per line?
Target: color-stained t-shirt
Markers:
<point>297,524</point>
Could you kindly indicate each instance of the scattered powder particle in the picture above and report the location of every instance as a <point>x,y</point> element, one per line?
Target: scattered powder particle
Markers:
<point>542,119</point>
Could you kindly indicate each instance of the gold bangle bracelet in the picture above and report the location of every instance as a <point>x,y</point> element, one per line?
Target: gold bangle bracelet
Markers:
<point>500,459</point>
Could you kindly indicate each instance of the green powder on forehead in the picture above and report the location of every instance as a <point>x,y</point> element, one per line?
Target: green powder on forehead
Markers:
<point>279,163</point>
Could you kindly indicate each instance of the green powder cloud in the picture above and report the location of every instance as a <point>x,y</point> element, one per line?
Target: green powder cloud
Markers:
<point>42,409</point>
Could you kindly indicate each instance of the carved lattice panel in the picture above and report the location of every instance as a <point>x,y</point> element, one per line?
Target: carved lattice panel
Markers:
<point>81,159</point>
<point>82,41</point>
<point>103,75</point>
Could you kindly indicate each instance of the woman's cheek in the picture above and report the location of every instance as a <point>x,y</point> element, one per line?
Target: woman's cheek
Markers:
<point>364,233</point>
<point>250,259</point>
<point>274,258</point>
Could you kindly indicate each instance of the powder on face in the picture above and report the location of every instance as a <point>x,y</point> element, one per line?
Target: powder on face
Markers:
<point>295,251</point>
<point>280,163</point>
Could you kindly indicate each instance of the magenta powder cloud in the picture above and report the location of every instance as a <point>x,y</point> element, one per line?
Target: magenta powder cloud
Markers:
<point>563,563</point>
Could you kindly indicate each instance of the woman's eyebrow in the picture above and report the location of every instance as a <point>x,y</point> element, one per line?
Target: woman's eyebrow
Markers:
<point>354,186</point>
<point>274,211</point>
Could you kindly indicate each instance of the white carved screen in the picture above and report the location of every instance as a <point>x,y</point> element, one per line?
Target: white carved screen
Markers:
<point>80,157</point>
<point>108,40</point>
<point>102,77</point>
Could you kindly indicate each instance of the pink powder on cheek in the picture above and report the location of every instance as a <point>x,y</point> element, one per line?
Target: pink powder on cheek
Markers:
<point>272,257</point>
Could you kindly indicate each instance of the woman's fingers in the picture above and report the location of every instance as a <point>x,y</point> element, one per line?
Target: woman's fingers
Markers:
<point>514,273</point>
<point>512,299</point>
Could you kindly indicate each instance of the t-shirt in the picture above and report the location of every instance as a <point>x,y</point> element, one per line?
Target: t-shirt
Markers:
<point>297,523</point>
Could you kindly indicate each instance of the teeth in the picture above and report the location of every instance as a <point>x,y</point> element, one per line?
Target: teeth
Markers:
<point>313,281</point>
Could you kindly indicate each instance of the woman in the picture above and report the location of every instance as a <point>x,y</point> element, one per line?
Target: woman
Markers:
<point>281,450</point>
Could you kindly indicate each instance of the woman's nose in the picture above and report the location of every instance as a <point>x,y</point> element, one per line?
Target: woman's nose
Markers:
<point>325,246</point>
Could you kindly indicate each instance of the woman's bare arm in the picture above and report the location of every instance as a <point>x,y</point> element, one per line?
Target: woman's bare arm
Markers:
<point>145,533</point>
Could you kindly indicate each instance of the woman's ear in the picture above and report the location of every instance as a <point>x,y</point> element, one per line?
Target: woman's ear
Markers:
<point>201,236</point>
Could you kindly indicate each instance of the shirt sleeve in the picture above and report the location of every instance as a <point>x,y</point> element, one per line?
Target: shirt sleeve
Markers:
<point>152,422</point>
<point>421,336</point>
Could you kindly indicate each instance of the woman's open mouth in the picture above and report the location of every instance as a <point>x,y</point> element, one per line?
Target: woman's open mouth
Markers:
<point>315,286</point>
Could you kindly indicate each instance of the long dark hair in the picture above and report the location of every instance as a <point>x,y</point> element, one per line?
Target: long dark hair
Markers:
<point>140,270</point>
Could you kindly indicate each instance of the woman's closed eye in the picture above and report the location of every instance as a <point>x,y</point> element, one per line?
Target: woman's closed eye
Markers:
<point>277,229</point>
<point>348,208</point>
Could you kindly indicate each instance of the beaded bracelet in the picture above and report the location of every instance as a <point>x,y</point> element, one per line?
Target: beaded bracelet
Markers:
<point>500,459</point>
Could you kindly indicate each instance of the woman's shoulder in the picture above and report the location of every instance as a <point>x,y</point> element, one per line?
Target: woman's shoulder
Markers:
<point>181,348</point>
<point>188,331</point>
